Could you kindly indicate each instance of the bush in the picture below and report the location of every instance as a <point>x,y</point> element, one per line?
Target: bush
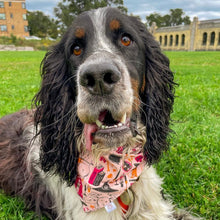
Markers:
<point>42,44</point>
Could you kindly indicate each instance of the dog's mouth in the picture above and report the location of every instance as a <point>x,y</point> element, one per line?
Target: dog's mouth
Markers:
<point>106,130</point>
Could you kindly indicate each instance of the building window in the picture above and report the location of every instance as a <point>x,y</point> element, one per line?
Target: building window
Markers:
<point>26,28</point>
<point>24,16</point>
<point>177,40</point>
<point>3,27</point>
<point>183,40</point>
<point>11,15</point>
<point>12,27</point>
<point>9,4</point>
<point>204,39</point>
<point>2,16</point>
<point>212,40</point>
<point>160,40</point>
<point>165,40</point>
<point>171,40</point>
<point>1,4</point>
<point>23,5</point>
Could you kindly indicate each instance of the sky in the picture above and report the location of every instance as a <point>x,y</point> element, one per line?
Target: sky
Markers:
<point>203,9</point>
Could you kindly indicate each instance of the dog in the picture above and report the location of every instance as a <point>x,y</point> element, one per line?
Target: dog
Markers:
<point>101,120</point>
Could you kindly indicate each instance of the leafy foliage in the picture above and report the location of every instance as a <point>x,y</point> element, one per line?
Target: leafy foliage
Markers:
<point>67,10</point>
<point>42,25</point>
<point>176,17</point>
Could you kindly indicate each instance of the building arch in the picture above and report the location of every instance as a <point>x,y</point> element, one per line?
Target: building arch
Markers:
<point>183,40</point>
<point>204,38</point>
<point>171,40</point>
<point>212,38</point>
<point>177,40</point>
<point>160,39</point>
<point>219,38</point>
<point>165,40</point>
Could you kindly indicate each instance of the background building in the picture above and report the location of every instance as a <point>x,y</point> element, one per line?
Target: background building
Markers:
<point>13,18</point>
<point>199,35</point>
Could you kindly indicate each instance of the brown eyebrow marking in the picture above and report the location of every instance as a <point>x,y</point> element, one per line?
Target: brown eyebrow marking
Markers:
<point>80,33</point>
<point>114,25</point>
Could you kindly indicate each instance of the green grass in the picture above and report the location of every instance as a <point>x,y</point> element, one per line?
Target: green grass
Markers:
<point>190,168</point>
<point>19,79</point>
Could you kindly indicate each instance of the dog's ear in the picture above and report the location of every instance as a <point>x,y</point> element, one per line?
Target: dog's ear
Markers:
<point>55,115</point>
<point>157,96</point>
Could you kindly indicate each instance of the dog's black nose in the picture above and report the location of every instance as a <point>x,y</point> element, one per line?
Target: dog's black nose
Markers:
<point>99,79</point>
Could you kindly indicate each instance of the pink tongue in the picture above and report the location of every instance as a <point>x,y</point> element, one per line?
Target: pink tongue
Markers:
<point>88,130</point>
<point>92,128</point>
<point>102,115</point>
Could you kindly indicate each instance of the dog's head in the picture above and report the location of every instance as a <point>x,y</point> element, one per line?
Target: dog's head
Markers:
<point>101,82</point>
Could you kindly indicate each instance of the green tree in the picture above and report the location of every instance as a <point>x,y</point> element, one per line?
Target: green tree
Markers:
<point>67,10</point>
<point>155,17</point>
<point>41,25</point>
<point>175,17</point>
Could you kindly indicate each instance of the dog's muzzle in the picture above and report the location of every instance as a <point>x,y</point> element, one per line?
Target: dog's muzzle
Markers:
<point>105,100</point>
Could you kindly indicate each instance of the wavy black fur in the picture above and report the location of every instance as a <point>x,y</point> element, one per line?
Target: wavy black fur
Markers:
<point>56,115</point>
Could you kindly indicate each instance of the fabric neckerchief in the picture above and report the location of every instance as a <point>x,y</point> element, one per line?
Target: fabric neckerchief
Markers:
<point>100,184</point>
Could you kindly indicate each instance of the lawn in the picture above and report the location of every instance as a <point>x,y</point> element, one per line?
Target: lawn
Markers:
<point>190,168</point>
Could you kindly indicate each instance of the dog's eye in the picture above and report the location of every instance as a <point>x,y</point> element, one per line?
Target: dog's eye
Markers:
<point>125,40</point>
<point>77,50</point>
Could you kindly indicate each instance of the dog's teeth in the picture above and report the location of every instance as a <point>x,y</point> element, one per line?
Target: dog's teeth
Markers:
<point>108,127</point>
<point>99,123</point>
<point>123,120</point>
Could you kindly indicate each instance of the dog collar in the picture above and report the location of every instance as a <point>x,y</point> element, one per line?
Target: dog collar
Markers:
<point>125,200</point>
<point>98,185</point>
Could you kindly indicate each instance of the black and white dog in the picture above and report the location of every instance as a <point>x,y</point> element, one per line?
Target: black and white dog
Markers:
<point>101,120</point>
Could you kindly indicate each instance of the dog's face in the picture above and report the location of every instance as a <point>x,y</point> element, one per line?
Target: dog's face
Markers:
<point>106,76</point>
<point>109,63</point>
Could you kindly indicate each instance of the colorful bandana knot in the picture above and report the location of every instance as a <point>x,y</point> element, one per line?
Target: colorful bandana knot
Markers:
<point>99,185</point>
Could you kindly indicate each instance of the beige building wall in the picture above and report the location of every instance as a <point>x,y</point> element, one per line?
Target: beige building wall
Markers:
<point>13,18</point>
<point>199,35</point>
<point>211,28</point>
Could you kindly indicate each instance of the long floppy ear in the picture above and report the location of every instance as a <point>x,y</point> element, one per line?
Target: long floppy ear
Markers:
<point>157,95</point>
<point>55,115</point>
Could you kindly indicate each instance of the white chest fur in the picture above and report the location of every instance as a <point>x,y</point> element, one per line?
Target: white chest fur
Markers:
<point>148,202</point>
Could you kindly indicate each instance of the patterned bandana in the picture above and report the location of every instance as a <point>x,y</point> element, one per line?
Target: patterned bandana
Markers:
<point>98,185</point>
